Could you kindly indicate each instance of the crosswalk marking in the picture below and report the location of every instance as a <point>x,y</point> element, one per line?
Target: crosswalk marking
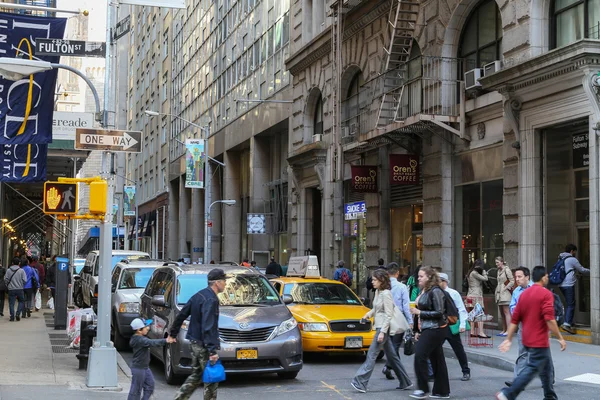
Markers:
<point>586,378</point>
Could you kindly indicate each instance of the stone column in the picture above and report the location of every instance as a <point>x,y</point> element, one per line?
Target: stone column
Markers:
<point>183,217</point>
<point>173,214</point>
<point>260,162</point>
<point>230,215</point>
<point>594,176</point>
<point>197,222</point>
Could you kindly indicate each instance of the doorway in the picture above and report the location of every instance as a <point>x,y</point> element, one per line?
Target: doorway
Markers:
<point>314,213</point>
<point>566,193</point>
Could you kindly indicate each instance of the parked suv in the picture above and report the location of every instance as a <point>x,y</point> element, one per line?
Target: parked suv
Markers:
<point>87,296</point>
<point>258,333</point>
<point>129,279</point>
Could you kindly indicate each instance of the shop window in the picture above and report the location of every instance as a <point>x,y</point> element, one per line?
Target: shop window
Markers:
<point>407,237</point>
<point>318,117</point>
<point>480,222</point>
<point>481,40</point>
<point>573,20</point>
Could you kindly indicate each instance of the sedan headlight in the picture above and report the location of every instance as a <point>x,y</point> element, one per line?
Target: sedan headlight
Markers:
<point>129,307</point>
<point>286,326</point>
<point>314,327</point>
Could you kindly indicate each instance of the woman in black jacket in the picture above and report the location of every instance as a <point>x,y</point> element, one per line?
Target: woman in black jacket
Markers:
<point>432,325</point>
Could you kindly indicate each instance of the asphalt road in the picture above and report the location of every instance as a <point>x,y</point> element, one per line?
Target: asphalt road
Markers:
<point>328,377</point>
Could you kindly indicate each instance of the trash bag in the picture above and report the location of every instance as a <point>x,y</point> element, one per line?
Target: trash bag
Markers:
<point>38,300</point>
<point>409,343</point>
<point>50,303</point>
<point>214,373</point>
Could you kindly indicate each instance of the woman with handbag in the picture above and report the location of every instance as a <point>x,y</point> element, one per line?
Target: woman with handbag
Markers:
<point>477,276</point>
<point>432,325</point>
<point>383,312</point>
<point>506,285</point>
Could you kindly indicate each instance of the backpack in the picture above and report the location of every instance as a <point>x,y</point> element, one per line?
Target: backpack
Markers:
<point>345,278</point>
<point>558,274</point>
<point>450,310</point>
<point>559,310</point>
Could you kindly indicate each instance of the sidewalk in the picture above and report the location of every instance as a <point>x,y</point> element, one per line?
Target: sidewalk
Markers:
<point>576,360</point>
<point>37,363</point>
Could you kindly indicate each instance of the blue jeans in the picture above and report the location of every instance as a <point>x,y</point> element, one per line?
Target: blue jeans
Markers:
<point>539,362</point>
<point>12,296</point>
<point>569,293</point>
<point>141,379</point>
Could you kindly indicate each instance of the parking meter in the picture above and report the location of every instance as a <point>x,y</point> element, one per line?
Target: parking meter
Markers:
<point>61,293</point>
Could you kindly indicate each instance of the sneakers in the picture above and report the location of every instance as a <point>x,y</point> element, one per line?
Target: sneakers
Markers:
<point>439,396</point>
<point>18,318</point>
<point>568,328</point>
<point>388,373</point>
<point>357,388</point>
<point>12,319</point>
<point>501,396</point>
<point>466,376</point>
<point>418,394</point>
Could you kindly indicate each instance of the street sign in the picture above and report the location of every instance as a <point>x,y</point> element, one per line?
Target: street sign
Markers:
<point>69,48</point>
<point>122,28</point>
<point>60,198</point>
<point>100,139</point>
<point>64,124</point>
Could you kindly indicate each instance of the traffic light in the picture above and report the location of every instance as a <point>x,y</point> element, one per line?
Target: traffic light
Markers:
<point>60,198</point>
<point>98,193</point>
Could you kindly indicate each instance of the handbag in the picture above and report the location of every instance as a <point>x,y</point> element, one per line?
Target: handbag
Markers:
<point>409,343</point>
<point>213,373</point>
<point>455,328</point>
<point>398,323</point>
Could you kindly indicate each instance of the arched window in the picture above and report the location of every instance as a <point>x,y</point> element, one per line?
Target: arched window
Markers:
<point>318,117</point>
<point>481,39</point>
<point>573,20</point>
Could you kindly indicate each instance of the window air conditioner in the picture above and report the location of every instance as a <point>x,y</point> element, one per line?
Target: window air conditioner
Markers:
<point>317,138</point>
<point>472,78</point>
<point>492,68</point>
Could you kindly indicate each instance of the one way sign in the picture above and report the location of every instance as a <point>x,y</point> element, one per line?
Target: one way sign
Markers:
<point>100,139</point>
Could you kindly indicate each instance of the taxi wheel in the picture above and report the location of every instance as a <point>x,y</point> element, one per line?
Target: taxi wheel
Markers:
<point>170,376</point>
<point>288,375</point>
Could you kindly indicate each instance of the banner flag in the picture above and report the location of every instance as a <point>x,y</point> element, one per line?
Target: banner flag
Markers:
<point>129,201</point>
<point>27,105</point>
<point>194,163</point>
<point>24,162</point>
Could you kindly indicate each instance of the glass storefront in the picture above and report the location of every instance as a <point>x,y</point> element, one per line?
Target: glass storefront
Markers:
<point>355,243</point>
<point>567,196</point>
<point>407,237</point>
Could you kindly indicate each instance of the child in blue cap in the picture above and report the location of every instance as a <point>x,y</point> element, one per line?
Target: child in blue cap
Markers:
<point>142,378</point>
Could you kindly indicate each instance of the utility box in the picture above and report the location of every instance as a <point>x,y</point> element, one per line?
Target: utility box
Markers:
<point>98,194</point>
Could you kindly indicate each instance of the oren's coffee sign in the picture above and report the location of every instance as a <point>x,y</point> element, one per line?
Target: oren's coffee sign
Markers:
<point>364,178</point>
<point>404,169</point>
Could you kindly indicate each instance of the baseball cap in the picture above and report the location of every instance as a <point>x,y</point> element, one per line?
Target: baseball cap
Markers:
<point>139,323</point>
<point>444,277</point>
<point>216,274</point>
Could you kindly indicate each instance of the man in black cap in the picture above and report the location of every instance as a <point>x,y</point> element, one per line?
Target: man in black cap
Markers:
<point>273,268</point>
<point>203,334</point>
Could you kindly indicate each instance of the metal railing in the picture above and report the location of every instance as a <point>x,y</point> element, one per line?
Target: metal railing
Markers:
<point>431,86</point>
<point>594,31</point>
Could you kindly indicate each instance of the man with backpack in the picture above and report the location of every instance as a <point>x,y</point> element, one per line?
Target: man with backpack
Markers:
<point>564,275</point>
<point>369,282</point>
<point>30,288</point>
<point>343,274</point>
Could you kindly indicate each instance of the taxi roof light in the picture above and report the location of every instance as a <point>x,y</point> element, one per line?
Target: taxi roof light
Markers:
<point>304,267</point>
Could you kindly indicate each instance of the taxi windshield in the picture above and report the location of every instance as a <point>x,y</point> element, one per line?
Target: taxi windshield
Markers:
<point>321,293</point>
<point>248,290</point>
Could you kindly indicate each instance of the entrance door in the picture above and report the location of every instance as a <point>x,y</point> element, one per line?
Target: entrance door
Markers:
<point>566,185</point>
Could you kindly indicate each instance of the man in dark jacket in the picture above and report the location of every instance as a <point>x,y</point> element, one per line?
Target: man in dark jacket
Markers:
<point>203,334</point>
<point>40,269</point>
<point>15,279</point>
<point>273,268</point>
<point>2,289</point>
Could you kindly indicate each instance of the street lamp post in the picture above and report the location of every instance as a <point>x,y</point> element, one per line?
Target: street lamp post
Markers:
<point>102,361</point>
<point>207,175</point>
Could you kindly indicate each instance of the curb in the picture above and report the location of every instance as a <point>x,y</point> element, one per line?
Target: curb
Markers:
<point>123,365</point>
<point>483,359</point>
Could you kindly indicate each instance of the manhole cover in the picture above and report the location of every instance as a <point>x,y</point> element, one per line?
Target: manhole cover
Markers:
<point>60,342</point>
<point>63,349</point>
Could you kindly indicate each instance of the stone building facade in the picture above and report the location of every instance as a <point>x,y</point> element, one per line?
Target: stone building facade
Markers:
<point>494,103</point>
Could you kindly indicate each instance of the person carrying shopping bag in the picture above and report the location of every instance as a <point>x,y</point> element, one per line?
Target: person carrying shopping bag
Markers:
<point>386,320</point>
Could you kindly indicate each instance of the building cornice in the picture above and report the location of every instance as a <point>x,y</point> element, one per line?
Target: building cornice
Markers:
<point>320,46</point>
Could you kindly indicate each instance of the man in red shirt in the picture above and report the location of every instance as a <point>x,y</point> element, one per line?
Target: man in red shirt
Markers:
<point>535,312</point>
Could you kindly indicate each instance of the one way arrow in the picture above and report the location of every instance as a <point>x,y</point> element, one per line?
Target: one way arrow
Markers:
<point>98,139</point>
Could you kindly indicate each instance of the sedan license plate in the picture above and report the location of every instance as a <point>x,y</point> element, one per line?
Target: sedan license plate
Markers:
<point>353,342</point>
<point>247,354</point>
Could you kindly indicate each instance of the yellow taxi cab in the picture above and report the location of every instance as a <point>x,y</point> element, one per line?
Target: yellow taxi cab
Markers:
<point>327,311</point>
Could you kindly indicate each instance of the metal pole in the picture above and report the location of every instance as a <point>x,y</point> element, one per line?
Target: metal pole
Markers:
<point>207,203</point>
<point>72,238</point>
<point>40,8</point>
<point>102,361</point>
<point>137,224</point>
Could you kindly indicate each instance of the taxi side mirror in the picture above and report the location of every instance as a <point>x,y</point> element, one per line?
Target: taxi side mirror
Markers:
<point>287,299</point>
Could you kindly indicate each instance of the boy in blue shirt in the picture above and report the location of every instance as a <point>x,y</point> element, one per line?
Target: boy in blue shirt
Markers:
<point>142,378</point>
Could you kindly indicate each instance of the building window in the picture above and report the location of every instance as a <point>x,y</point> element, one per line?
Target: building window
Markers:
<point>575,19</point>
<point>318,117</point>
<point>481,41</point>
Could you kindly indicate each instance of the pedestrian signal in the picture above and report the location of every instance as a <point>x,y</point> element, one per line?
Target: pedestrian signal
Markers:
<point>60,198</point>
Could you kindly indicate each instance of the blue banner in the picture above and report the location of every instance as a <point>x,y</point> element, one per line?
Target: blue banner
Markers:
<point>26,105</point>
<point>24,162</point>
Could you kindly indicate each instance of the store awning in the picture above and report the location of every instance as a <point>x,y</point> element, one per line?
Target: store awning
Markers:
<point>90,241</point>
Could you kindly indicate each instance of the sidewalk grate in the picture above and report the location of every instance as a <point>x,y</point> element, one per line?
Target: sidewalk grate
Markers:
<point>63,349</point>
<point>49,313</point>
<point>49,325</point>
<point>56,336</point>
<point>60,342</point>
